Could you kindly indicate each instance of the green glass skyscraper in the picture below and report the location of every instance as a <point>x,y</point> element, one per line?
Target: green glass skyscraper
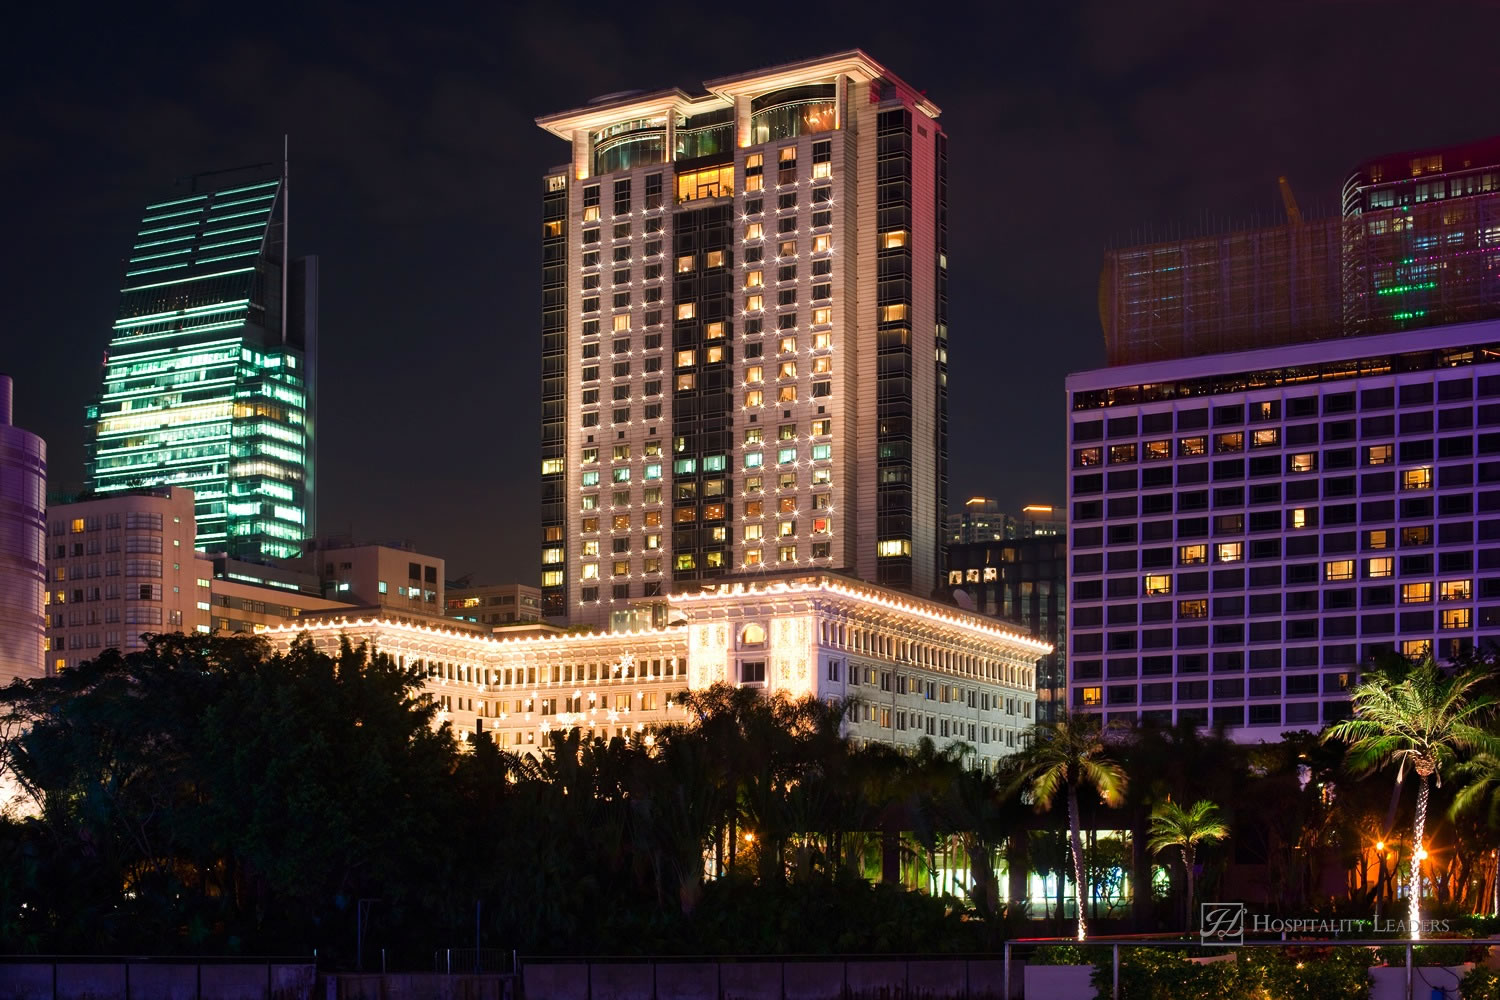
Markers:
<point>210,376</point>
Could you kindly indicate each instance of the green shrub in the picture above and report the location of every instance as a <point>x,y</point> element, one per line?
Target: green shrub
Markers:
<point>1161,974</point>
<point>1447,953</point>
<point>1480,984</point>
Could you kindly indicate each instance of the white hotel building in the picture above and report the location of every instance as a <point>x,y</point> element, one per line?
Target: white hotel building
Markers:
<point>744,336</point>
<point>915,668</point>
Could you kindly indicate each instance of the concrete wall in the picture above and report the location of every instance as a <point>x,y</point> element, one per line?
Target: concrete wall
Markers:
<point>861,979</point>
<point>123,980</point>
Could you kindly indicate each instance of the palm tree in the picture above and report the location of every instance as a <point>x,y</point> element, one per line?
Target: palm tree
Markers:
<point>1482,792</point>
<point>1185,829</point>
<point>1425,720</point>
<point>1070,754</point>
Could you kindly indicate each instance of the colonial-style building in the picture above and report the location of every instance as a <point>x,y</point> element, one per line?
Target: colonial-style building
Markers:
<point>912,667</point>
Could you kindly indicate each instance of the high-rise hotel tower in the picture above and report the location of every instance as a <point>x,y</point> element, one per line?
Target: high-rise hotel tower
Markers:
<point>210,373</point>
<point>744,325</point>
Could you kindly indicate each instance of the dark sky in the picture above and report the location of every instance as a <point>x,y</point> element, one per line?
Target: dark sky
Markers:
<point>416,178</point>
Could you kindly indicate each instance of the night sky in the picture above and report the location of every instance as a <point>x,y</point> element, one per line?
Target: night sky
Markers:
<point>416,172</point>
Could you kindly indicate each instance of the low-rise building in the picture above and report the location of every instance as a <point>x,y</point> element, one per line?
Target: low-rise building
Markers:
<point>913,668</point>
<point>119,566</point>
<point>394,578</point>
<point>495,603</point>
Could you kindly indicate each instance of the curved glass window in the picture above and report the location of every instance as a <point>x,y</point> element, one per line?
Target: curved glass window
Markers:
<point>784,114</point>
<point>630,144</point>
<point>707,134</point>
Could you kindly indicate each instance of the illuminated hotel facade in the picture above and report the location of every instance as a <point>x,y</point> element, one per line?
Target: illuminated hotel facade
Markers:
<point>744,336</point>
<point>211,369</point>
<point>912,667</point>
<point>1248,530</point>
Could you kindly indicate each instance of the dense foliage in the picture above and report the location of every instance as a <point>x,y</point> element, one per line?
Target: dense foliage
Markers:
<point>207,795</point>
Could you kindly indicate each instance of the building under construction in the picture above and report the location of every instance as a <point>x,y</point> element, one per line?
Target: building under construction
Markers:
<point>1418,245</point>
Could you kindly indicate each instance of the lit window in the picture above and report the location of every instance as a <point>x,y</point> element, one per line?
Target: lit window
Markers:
<point>786,456</point>
<point>754,231</point>
<point>591,213</point>
<point>1192,609</point>
<point>713,331</point>
<point>1455,618</point>
<point>822,427</point>
<point>1227,552</point>
<point>713,258</point>
<point>1414,649</point>
<point>686,561</point>
<point>822,316</point>
<point>1188,447</point>
<point>686,382</point>
<point>1192,555</point>
<point>1085,457</point>
<point>752,557</point>
<point>892,313</point>
<point>1153,451</point>
<point>754,375</point>
<point>1093,696</point>
<point>822,341</point>
<point>788,369</point>
<point>822,170</point>
<point>1380,567</point>
<point>1159,584</point>
<point>787,345</point>
<point>1339,569</point>
<point>1379,454</point>
<point>1299,517</point>
<point>888,548</point>
<point>710,182</point>
<point>591,571</point>
<point>686,310</point>
<point>786,529</point>
<point>552,466</point>
<point>1119,453</point>
<point>755,303</point>
<point>1454,590</point>
<point>1268,438</point>
<point>1416,593</point>
<point>1304,461</point>
<point>754,532</point>
<point>686,359</point>
<point>1379,538</point>
<point>822,243</point>
<point>1417,479</point>
<point>755,279</point>
<point>754,459</point>
<point>893,239</point>
<point>754,397</point>
<point>621,323</point>
<point>786,394</point>
<point>552,578</point>
<point>77,526</point>
<point>652,471</point>
<point>685,263</point>
<point>823,366</point>
<point>787,553</point>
